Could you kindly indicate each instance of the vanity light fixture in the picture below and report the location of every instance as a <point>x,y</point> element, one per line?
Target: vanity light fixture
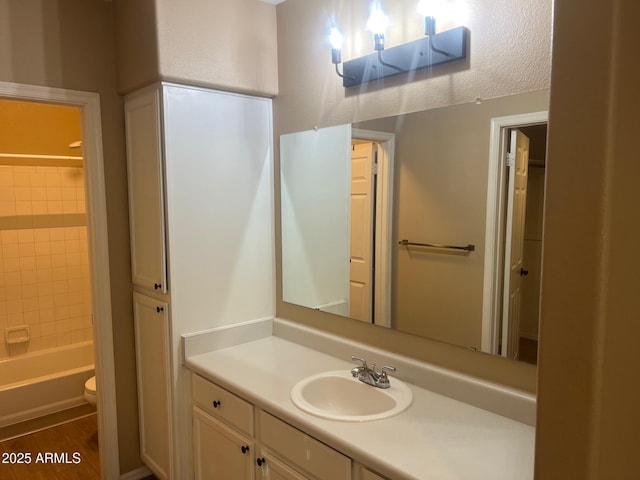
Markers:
<point>336,39</point>
<point>378,23</point>
<point>433,49</point>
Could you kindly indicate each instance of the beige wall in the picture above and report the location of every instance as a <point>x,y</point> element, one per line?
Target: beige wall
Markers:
<point>509,53</point>
<point>136,44</point>
<point>588,382</point>
<point>70,44</point>
<point>29,127</point>
<point>212,43</point>
<point>441,176</point>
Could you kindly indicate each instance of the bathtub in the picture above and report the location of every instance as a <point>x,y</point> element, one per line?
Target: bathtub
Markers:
<point>40,383</point>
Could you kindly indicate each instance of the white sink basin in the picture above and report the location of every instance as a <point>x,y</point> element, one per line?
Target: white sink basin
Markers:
<point>339,396</point>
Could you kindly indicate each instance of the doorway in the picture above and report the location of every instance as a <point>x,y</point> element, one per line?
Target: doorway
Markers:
<point>97,253</point>
<point>514,236</point>
<point>377,229</point>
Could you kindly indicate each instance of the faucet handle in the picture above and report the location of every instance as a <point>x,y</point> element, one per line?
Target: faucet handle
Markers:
<point>383,379</point>
<point>386,369</point>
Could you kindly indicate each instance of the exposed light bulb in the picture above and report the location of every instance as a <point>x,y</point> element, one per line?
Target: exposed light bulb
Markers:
<point>378,21</point>
<point>424,8</point>
<point>336,39</point>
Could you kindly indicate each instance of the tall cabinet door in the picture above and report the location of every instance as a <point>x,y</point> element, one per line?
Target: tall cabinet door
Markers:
<point>151,321</point>
<point>146,201</point>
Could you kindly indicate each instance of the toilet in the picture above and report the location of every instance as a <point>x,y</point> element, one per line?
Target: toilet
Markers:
<point>90,391</point>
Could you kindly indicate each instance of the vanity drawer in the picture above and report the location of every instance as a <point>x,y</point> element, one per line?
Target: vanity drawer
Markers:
<point>303,451</point>
<point>362,473</point>
<point>222,404</point>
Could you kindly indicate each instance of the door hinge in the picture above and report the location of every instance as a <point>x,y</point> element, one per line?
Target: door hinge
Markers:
<point>374,169</point>
<point>511,159</point>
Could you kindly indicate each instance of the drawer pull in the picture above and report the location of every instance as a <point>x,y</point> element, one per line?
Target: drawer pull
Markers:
<point>216,403</point>
<point>159,309</point>
<point>157,286</point>
<point>244,448</point>
<point>261,461</point>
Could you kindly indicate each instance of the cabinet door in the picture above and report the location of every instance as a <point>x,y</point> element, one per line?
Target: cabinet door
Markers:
<point>220,452</point>
<point>146,202</point>
<point>152,361</point>
<point>270,468</point>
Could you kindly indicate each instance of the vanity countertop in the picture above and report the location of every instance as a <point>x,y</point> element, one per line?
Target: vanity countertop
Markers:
<point>435,438</point>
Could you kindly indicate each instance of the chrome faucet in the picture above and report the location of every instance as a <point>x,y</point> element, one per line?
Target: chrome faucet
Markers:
<point>369,375</point>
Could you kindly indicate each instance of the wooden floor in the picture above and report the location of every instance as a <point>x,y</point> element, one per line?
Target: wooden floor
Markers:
<point>79,437</point>
<point>65,452</point>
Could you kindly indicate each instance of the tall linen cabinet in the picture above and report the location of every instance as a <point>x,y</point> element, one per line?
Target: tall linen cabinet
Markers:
<point>200,172</point>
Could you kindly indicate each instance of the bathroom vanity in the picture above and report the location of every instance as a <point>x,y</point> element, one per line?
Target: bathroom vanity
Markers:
<point>245,424</point>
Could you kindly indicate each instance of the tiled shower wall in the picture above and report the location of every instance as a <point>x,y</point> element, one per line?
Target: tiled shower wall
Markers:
<point>44,267</point>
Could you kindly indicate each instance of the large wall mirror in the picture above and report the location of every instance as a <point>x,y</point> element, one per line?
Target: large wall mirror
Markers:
<point>428,222</point>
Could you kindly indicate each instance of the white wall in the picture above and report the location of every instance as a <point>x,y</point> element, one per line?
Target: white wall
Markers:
<point>219,194</point>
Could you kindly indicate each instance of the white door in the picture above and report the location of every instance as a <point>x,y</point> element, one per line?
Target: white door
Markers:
<point>146,201</point>
<point>514,242</point>
<point>151,323</point>
<point>361,234</point>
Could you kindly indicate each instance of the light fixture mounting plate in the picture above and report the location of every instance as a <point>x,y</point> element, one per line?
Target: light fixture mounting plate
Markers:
<point>443,47</point>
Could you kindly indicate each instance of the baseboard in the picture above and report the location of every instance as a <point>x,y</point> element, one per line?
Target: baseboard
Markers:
<point>136,474</point>
<point>529,336</point>
<point>47,421</point>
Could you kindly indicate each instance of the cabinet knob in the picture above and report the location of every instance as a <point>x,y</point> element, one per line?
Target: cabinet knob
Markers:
<point>216,403</point>
<point>159,309</point>
<point>157,286</point>
<point>261,461</point>
<point>244,448</point>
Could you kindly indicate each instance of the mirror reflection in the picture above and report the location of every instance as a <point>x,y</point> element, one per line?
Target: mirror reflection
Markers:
<point>428,222</point>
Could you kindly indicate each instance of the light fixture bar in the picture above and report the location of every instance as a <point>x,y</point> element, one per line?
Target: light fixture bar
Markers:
<point>428,51</point>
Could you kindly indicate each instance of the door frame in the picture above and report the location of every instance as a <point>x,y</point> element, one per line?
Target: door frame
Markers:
<point>384,218</point>
<point>494,232</point>
<point>89,104</point>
